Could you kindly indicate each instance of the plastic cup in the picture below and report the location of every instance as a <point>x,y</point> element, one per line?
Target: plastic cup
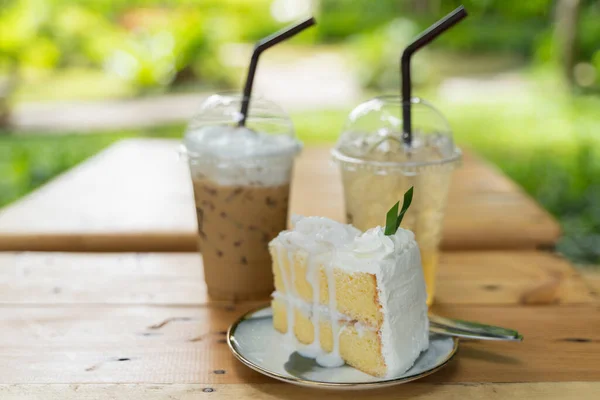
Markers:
<point>377,168</point>
<point>241,179</point>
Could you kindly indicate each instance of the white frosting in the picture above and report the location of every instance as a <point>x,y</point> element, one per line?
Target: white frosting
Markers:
<point>395,261</point>
<point>402,295</point>
<point>317,234</point>
<point>231,155</point>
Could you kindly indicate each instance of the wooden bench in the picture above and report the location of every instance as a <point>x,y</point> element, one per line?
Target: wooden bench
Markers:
<point>136,196</point>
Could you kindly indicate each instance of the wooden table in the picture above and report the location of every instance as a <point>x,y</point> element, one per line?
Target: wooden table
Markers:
<point>136,196</point>
<point>140,326</point>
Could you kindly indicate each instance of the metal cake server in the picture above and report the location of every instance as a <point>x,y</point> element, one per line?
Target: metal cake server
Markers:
<point>471,330</point>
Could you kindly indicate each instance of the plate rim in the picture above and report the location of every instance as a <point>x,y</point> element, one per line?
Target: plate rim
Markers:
<point>320,384</point>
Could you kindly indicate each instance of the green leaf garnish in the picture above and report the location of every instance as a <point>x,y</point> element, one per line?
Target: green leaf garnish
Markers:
<point>405,204</point>
<point>392,218</point>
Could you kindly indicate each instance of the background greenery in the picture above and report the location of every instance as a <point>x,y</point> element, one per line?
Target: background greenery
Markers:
<point>153,45</point>
<point>548,142</point>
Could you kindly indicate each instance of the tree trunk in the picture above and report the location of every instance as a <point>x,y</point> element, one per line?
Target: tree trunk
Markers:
<point>565,36</point>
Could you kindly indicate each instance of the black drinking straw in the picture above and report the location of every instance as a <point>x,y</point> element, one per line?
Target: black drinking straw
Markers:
<point>261,46</point>
<point>422,40</point>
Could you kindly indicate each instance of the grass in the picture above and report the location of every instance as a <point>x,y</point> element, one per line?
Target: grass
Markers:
<point>553,152</point>
<point>26,162</point>
<point>544,140</point>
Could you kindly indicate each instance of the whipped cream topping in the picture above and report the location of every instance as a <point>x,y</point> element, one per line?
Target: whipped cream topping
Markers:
<point>395,260</point>
<point>317,234</point>
<point>373,244</point>
<point>232,142</point>
<point>351,245</point>
<point>368,250</point>
<point>231,155</point>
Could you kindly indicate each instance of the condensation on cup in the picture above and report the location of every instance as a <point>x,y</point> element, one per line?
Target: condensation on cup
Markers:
<point>377,168</point>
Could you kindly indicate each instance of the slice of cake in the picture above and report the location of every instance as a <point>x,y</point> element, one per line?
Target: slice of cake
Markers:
<point>346,296</point>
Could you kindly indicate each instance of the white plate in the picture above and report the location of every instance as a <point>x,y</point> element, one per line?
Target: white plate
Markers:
<point>255,342</point>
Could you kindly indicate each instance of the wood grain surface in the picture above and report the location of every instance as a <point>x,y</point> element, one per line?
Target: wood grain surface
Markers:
<point>186,344</point>
<point>136,196</point>
<point>139,318</point>
<point>272,391</point>
<point>140,326</point>
<point>591,276</point>
<point>495,278</point>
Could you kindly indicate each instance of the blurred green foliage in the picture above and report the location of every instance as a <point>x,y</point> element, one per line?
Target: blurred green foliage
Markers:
<point>26,162</point>
<point>153,44</point>
<point>549,145</point>
<point>516,29</point>
<point>341,18</point>
<point>148,43</point>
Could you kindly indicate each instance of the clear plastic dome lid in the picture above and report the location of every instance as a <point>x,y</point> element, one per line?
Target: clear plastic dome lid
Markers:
<point>374,135</point>
<point>213,133</point>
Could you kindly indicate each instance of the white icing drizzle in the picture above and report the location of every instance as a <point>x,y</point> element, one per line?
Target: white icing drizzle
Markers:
<point>312,277</point>
<point>332,359</point>
<point>318,235</point>
<point>287,285</point>
<point>307,309</point>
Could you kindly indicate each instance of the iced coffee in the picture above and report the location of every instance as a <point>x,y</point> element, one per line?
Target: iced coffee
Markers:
<point>241,179</point>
